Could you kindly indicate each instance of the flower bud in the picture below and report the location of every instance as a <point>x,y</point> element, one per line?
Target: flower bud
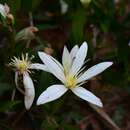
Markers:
<point>85,2</point>
<point>27,33</point>
<point>10,19</point>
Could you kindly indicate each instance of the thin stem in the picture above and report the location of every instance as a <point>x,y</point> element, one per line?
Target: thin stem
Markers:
<point>31,19</point>
<point>20,90</point>
<point>13,95</point>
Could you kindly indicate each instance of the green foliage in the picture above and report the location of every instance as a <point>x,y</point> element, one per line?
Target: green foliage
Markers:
<point>8,105</point>
<point>104,24</point>
<point>78,25</point>
<point>4,87</point>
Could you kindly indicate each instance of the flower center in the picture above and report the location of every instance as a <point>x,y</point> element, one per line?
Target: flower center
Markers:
<point>71,81</point>
<point>22,66</point>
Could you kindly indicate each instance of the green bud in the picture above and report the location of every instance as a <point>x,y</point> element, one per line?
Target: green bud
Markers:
<point>85,2</point>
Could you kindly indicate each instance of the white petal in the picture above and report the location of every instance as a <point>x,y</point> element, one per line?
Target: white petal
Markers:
<point>94,70</point>
<point>64,6</point>
<point>7,9</point>
<point>52,65</point>
<point>57,62</point>
<point>79,58</point>
<point>73,52</point>
<point>66,59</point>
<point>38,66</point>
<point>87,96</point>
<point>51,93</point>
<point>29,91</point>
<point>2,10</point>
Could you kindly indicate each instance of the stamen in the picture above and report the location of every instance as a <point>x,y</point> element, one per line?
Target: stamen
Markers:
<point>21,65</point>
<point>71,81</point>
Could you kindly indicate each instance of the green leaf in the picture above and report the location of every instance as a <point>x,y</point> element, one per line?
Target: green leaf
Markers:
<point>5,87</point>
<point>49,124</point>
<point>7,105</point>
<point>70,127</point>
<point>30,5</point>
<point>78,23</point>
<point>45,26</point>
<point>4,126</point>
<point>35,3</point>
<point>15,5</point>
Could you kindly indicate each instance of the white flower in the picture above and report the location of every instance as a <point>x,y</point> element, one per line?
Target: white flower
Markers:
<point>129,43</point>
<point>64,6</point>
<point>71,74</point>
<point>22,67</point>
<point>4,10</point>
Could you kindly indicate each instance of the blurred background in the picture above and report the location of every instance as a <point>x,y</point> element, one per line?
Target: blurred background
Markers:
<point>49,25</point>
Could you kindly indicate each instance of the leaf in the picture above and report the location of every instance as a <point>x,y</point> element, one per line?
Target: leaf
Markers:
<point>35,3</point>
<point>5,87</point>
<point>7,105</point>
<point>30,5</point>
<point>4,126</point>
<point>49,124</point>
<point>78,23</point>
<point>45,26</point>
<point>69,127</point>
<point>15,5</point>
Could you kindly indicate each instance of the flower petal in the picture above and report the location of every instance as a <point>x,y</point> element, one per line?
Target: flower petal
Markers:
<point>2,10</point>
<point>7,9</point>
<point>79,58</point>
<point>57,62</point>
<point>52,65</point>
<point>38,66</point>
<point>66,59</point>
<point>93,71</point>
<point>29,91</point>
<point>87,96</point>
<point>73,51</point>
<point>64,6</point>
<point>51,93</point>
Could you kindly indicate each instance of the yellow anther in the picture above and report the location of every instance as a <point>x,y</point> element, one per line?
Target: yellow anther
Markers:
<point>21,65</point>
<point>71,81</point>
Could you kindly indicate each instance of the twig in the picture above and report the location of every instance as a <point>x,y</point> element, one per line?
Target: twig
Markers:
<point>31,24</point>
<point>17,119</point>
<point>13,95</point>
<point>20,90</point>
<point>31,19</point>
<point>85,119</point>
<point>32,121</point>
